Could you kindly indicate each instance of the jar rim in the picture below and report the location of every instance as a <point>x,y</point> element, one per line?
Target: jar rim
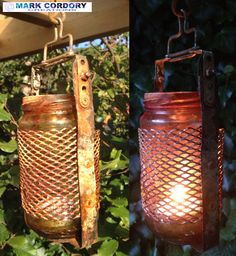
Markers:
<point>52,100</point>
<point>51,97</point>
<point>159,100</point>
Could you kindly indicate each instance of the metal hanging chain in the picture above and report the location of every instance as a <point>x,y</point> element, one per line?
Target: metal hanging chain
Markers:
<point>182,16</point>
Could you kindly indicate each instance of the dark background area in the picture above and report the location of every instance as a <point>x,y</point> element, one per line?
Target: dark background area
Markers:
<point>152,22</point>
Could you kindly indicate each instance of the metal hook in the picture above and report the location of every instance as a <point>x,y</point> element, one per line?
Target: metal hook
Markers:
<point>45,50</point>
<point>58,31</point>
<point>37,69</point>
<point>61,36</point>
<point>182,24</point>
<point>178,13</point>
<point>54,19</point>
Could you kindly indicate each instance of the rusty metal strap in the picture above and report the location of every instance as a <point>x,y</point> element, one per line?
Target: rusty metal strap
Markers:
<point>209,151</point>
<point>85,151</point>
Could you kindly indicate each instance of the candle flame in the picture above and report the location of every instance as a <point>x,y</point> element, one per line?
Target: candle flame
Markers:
<point>179,193</point>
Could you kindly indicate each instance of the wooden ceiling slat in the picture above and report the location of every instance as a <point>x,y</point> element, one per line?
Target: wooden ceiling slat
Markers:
<point>18,37</point>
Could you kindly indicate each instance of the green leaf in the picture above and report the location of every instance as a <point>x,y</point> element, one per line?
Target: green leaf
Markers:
<point>111,93</point>
<point>115,153</point>
<point>233,203</point>
<point>118,139</point>
<point>227,233</point>
<point>3,188</point>
<point>117,163</point>
<point>2,221</point>
<point>228,69</point>
<point>4,115</point>
<point>122,232</point>
<point>122,213</point>
<point>4,233</point>
<point>110,220</point>
<point>121,254</point>
<point>174,250</point>
<point>20,252</point>
<point>8,147</point>
<point>3,98</point>
<point>119,202</point>
<point>14,171</point>
<point>18,242</point>
<point>108,248</point>
<point>232,218</point>
<point>23,246</point>
<point>117,183</point>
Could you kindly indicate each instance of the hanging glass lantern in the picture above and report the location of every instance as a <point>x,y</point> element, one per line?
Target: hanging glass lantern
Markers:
<point>59,156</point>
<point>181,151</point>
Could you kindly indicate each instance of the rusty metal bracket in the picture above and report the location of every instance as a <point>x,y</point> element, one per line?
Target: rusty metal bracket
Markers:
<point>85,149</point>
<point>209,149</point>
<point>160,65</point>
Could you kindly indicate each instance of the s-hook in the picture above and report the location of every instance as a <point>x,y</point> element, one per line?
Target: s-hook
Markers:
<point>182,16</point>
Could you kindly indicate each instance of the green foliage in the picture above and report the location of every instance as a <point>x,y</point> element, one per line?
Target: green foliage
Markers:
<point>108,58</point>
<point>152,24</point>
<point>108,247</point>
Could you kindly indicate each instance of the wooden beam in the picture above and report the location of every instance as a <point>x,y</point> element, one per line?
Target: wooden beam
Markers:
<point>21,38</point>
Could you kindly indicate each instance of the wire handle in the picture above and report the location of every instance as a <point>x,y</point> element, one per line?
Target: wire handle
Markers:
<point>58,35</point>
<point>36,70</point>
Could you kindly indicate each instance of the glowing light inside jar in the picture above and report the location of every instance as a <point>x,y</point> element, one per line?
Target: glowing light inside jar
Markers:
<point>176,203</point>
<point>179,194</point>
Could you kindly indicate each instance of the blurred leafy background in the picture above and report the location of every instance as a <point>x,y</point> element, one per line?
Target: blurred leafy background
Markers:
<point>152,22</point>
<point>109,62</point>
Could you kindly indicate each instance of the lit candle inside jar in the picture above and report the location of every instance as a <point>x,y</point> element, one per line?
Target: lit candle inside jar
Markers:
<point>176,203</point>
<point>178,197</point>
<point>181,197</point>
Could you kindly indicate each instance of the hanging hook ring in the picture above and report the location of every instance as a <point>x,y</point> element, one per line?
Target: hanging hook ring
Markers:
<point>55,16</point>
<point>179,13</point>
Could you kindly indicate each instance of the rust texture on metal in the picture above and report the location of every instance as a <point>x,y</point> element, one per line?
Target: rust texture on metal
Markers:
<point>87,178</point>
<point>209,152</point>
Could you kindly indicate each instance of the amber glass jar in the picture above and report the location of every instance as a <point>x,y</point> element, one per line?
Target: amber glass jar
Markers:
<point>170,145</point>
<point>48,165</point>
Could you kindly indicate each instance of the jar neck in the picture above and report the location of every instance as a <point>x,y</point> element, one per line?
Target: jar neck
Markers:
<point>171,102</point>
<point>171,108</point>
<point>48,103</point>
